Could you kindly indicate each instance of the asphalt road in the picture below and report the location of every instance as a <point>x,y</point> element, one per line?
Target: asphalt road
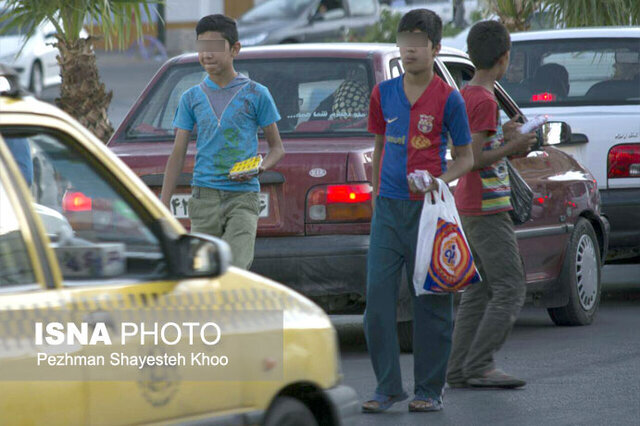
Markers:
<point>576,375</point>
<point>126,76</point>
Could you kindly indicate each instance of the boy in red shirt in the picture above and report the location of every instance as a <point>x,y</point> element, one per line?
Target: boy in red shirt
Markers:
<point>489,309</point>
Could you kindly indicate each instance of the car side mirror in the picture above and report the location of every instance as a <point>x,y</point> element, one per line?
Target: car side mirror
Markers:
<point>555,133</point>
<point>200,255</point>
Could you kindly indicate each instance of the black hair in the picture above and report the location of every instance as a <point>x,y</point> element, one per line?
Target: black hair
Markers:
<point>424,20</point>
<point>487,42</point>
<point>221,24</point>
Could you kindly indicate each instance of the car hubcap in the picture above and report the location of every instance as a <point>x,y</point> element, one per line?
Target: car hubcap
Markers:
<point>586,272</point>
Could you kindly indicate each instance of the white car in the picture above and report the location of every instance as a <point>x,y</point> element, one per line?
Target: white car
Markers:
<point>590,79</point>
<point>36,64</point>
<point>443,8</point>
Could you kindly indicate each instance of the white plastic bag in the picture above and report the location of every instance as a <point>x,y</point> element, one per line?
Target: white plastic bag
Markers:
<point>443,263</point>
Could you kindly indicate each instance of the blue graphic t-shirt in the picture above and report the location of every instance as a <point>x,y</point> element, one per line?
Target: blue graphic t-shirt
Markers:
<point>227,119</point>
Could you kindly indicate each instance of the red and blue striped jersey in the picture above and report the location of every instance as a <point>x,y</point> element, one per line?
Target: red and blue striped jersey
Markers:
<point>415,135</point>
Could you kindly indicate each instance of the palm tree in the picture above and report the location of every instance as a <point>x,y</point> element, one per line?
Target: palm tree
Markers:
<point>516,14</point>
<point>82,93</point>
<point>458,14</point>
<point>582,13</point>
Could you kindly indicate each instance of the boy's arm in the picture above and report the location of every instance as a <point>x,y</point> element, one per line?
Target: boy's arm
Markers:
<point>375,171</point>
<point>174,165</point>
<point>515,142</point>
<point>276,149</point>
<point>461,165</point>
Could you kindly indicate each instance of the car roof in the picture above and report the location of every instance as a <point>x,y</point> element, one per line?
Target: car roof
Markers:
<point>593,32</point>
<point>345,50</point>
<point>29,105</point>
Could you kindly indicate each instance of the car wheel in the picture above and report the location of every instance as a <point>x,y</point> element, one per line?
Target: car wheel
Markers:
<point>36,84</point>
<point>287,411</point>
<point>405,336</point>
<point>581,278</point>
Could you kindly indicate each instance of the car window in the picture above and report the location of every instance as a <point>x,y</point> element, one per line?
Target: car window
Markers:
<point>461,73</point>
<point>15,265</point>
<point>574,72</point>
<point>362,7</point>
<point>395,67</point>
<point>276,9</point>
<point>94,229</point>
<point>313,96</point>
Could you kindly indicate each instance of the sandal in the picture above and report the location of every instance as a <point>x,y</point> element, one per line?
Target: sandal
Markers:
<point>380,403</point>
<point>421,404</point>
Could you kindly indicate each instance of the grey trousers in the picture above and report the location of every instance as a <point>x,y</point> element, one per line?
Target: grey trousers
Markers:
<point>488,309</point>
<point>232,216</point>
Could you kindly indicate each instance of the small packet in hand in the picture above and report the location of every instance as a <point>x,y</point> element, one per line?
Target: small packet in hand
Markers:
<point>247,167</point>
<point>534,123</point>
<point>421,179</point>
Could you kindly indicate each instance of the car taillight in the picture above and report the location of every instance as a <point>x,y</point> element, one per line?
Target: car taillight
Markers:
<point>543,97</point>
<point>340,203</point>
<point>76,202</point>
<point>624,161</point>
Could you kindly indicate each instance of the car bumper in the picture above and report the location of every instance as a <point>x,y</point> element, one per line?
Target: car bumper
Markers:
<point>315,265</point>
<point>344,404</point>
<point>621,207</point>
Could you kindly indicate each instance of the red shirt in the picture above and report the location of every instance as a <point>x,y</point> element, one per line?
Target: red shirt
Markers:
<point>415,135</point>
<point>487,190</point>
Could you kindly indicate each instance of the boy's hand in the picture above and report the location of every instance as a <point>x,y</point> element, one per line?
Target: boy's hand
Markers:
<point>432,187</point>
<point>521,143</point>
<point>511,126</point>
<point>517,142</point>
<point>244,178</point>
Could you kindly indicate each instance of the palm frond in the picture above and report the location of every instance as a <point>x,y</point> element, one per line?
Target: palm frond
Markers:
<point>582,13</point>
<point>114,17</point>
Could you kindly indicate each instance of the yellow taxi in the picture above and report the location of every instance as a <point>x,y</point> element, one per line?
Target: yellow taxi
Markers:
<point>81,233</point>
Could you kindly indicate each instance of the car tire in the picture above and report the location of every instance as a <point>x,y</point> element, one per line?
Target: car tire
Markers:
<point>580,278</point>
<point>286,411</point>
<point>405,336</point>
<point>36,81</point>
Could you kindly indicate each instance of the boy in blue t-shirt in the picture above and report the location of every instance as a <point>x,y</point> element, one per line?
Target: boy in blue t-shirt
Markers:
<point>228,108</point>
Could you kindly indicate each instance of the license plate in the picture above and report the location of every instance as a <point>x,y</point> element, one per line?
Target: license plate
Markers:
<point>179,205</point>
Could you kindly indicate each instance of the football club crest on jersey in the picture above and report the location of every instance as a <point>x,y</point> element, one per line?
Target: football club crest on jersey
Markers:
<point>425,125</point>
<point>420,142</point>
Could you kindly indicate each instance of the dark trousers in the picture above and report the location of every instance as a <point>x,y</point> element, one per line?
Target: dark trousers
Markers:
<point>394,234</point>
<point>488,309</point>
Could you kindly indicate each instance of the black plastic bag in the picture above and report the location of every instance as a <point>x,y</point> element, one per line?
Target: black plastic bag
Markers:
<point>521,196</point>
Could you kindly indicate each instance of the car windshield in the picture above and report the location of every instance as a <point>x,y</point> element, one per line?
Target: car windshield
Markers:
<point>276,9</point>
<point>574,72</point>
<point>4,22</point>
<point>315,96</point>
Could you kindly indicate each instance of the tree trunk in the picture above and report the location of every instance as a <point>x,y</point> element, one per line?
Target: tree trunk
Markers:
<point>458,14</point>
<point>82,94</point>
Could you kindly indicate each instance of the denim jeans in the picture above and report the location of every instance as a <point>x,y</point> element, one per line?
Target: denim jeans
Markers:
<point>394,235</point>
